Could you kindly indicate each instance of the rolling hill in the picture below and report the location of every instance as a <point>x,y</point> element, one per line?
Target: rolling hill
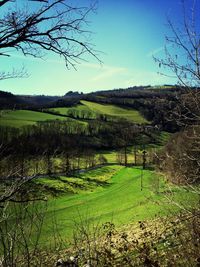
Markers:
<point>115,111</point>
<point>19,118</point>
<point>91,110</point>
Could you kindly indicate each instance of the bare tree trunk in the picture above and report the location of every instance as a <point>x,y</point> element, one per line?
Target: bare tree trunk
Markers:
<point>135,155</point>
<point>125,156</point>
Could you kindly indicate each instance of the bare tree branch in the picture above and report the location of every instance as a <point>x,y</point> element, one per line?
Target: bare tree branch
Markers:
<point>12,190</point>
<point>182,52</point>
<point>15,73</point>
<point>53,26</point>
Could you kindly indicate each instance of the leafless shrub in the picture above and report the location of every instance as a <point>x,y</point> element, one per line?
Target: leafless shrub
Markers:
<point>160,242</point>
<point>20,232</point>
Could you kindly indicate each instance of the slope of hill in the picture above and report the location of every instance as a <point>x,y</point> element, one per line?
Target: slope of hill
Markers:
<point>119,200</point>
<point>112,110</point>
<point>18,118</point>
<point>91,110</point>
<point>10,101</point>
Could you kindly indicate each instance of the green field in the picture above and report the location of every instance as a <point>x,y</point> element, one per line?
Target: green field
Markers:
<point>92,110</point>
<point>112,110</point>
<point>121,200</point>
<point>18,118</point>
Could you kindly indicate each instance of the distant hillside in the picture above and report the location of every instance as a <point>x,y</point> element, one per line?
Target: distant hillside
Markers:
<point>116,112</point>
<point>10,101</point>
<point>88,110</point>
<point>71,98</point>
<point>154,103</point>
<point>39,100</point>
<point>6,94</point>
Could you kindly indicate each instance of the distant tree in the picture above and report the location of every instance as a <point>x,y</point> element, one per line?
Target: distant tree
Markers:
<point>50,26</point>
<point>102,159</point>
<point>135,154</point>
<point>120,157</point>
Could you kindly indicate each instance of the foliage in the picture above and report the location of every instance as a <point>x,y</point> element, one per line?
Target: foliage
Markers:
<point>20,231</point>
<point>78,112</point>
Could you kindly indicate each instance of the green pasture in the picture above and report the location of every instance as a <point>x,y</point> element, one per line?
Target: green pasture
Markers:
<point>121,199</point>
<point>92,109</point>
<point>112,110</point>
<point>18,118</point>
<point>87,109</point>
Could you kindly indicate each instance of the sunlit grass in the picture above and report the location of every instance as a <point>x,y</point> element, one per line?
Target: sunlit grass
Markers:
<point>123,200</point>
<point>112,110</point>
<point>19,118</point>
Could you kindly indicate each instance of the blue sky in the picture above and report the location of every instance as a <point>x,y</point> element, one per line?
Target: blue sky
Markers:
<point>128,32</point>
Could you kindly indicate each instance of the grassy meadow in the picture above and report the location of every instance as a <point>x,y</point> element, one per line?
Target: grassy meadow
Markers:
<point>122,195</point>
<point>112,110</point>
<point>19,118</point>
<point>92,110</point>
<point>111,193</point>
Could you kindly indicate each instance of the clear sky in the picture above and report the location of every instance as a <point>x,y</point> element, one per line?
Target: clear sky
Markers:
<point>128,32</point>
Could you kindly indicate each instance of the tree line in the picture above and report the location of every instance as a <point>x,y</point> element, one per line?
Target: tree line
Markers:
<point>59,146</point>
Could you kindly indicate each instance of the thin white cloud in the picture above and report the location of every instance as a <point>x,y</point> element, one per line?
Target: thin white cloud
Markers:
<point>109,71</point>
<point>58,61</point>
<point>93,65</point>
<point>155,51</point>
<point>146,78</point>
<point>96,66</point>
